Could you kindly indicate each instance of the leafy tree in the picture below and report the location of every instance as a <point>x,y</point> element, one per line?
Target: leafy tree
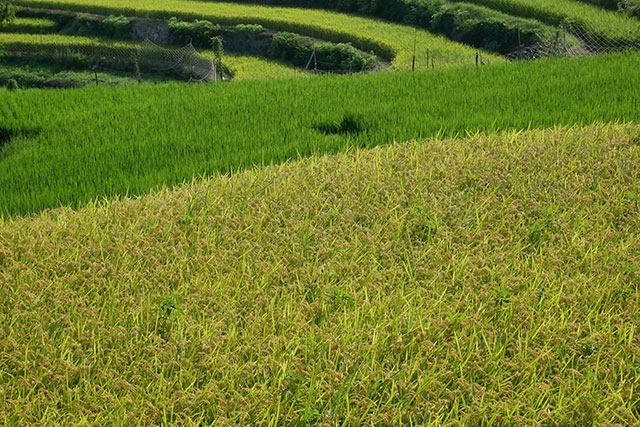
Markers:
<point>216,46</point>
<point>7,12</point>
<point>218,53</point>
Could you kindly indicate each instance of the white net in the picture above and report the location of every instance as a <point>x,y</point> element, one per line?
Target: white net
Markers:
<point>184,63</point>
<point>575,40</point>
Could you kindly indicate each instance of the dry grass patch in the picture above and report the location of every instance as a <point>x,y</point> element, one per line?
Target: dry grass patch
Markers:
<point>493,279</point>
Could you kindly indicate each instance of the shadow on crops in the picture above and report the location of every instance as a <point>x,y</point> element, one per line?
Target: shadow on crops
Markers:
<point>349,124</point>
<point>12,140</point>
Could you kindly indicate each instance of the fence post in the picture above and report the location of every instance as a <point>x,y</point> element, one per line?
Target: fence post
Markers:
<point>415,42</point>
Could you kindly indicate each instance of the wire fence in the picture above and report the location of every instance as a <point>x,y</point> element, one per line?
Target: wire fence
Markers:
<point>184,62</point>
<point>575,41</point>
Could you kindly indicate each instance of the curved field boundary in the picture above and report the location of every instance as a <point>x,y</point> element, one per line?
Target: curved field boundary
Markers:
<point>29,25</point>
<point>389,41</point>
<point>603,23</point>
<point>245,66</point>
<point>38,42</point>
<point>250,67</point>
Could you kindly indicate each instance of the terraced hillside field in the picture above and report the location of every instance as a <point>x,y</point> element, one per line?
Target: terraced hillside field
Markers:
<point>487,280</point>
<point>277,244</point>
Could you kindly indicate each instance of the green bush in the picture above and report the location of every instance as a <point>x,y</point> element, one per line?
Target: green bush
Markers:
<point>339,57</point>
<point>630,7</point>
<point>12,84</point>
<point>83,25</point>
<point>488,29</point>
<point>291,48</point>
<point>198,33</point>
<point>91,25</point>
<point>116,26</point>
<point>7,12</point>
<point>249,28</point>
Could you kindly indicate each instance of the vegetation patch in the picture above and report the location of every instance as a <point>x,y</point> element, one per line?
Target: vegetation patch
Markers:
<point>306,52</point>
<point>388,41</point>
<point>14,140</point>
<point>349,124</point>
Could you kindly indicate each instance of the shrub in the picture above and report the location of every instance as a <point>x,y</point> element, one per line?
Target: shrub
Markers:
<point>341,57</point>
<point>12,84</point>
<point>630,7</point>
<point>488,29</point>
<point>7,12</point>
<point>291,47</point>
<point>116,26</point>
<point>198,33</point>
<point>249,28</point>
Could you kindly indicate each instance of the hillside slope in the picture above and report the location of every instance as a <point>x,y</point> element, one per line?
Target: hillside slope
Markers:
<point>484,280</point>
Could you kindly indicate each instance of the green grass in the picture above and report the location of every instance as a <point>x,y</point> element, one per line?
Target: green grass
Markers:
<point>482,281</point>
<point>26,42</point>
<point>70,147</point>
<point>385,39</point>
<point>602,24</point>
<point>250,67</point>
<point>30,73</point>
<point>29,25</point>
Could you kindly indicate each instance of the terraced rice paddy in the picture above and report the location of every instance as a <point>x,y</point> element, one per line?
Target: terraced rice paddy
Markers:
<point>453,246</point>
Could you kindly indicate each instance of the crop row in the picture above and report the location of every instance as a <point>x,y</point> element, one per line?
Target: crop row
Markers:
<point>52,42</point>
<point>70,147</point>
<point>29,25</point>
<point>630,7</point>
<point>596,22</point>
<point>384,39</point>
<point>499,25</point>
<point>468,23</point>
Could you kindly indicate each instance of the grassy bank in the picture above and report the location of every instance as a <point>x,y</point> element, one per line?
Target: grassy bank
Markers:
<point>489,280</point>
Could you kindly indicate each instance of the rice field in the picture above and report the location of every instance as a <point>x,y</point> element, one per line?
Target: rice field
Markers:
<point>453,246</point>
<point>389,41</point>
<point>67,148</point>
<point>487,280</point>
<point>29,26</point>
<point>29,42</point>
<point>604,24</point>
<point>251,67</point>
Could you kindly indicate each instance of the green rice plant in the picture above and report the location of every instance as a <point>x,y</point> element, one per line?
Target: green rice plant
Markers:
<point>630,7</point>
<point>21,42</point>
<point>255,67</point>
<point>102,142</point>
<point>599,24</point>
<point>389,41</point>
<point>29,25</point>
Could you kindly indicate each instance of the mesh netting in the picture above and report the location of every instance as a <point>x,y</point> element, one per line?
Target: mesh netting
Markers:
<point>149,57</point>
<point>576,40</point>
<point>185,60</point>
